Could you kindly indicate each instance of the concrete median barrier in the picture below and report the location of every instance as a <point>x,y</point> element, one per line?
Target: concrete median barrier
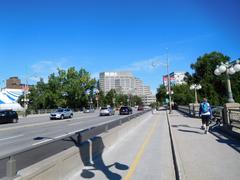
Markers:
<point>68,162</point>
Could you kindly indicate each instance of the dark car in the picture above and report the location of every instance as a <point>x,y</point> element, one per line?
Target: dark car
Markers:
<point>61,113</point>
<point>8,116</point>
<point>140,108</point>
<point>125,110</point>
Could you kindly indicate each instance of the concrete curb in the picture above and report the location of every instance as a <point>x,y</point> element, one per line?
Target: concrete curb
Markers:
<point>176,157</point>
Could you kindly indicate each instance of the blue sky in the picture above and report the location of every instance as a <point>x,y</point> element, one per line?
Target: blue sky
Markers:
<point>37,36</point>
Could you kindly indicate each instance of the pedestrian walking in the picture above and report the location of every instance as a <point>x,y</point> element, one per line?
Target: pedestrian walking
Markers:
<point>205,112</point>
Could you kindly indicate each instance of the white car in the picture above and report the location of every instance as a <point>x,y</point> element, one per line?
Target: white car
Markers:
<point>107,111</point>
<point>61,113</point>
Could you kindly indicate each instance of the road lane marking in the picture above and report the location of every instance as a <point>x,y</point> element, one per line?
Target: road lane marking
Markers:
<point>139,155</point>
<point>60,136</point>
<point>67,134</point>
<point>34,144</point>
<point>43,123</point>
<point>12,137</point>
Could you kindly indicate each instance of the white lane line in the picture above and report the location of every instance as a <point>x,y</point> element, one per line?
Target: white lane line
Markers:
<point>60,136</point>
<point>11,137</point>
<point>43,123</point>
<point>34,144</point>
<point>73,132</point>
<point>66,134</point>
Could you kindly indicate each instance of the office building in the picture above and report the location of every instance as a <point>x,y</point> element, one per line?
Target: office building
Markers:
<point>124,82</point>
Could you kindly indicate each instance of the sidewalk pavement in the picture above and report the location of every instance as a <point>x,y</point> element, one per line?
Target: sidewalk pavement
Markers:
<point>203,156</point>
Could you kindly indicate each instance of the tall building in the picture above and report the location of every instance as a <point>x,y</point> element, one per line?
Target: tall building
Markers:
<point>124,82</point>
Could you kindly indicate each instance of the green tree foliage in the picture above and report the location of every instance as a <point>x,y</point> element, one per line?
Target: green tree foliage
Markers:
<point>213,87</point>
<point>110,98</point>
<point>161,94</point>
<point>66,88</point>
<point>182,94</point>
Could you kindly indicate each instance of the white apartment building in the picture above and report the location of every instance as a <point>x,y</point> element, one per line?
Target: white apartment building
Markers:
<point>124,82</point>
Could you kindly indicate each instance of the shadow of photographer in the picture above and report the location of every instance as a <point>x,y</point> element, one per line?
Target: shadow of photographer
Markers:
<point>97,163</point>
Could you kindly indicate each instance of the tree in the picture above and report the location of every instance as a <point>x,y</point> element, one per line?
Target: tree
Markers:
<point>110,98</point>
<point>66,88</point>
<point>213,87</point>
<point>161,94</point>
<point>182,94</point>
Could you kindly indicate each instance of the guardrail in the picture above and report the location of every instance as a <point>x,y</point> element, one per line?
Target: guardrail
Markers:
<point>191,110</point>
<point>234,117</point>
<point>11,163</point>
<point>217,112</point>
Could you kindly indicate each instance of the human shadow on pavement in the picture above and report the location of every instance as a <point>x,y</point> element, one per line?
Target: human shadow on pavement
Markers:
<point>189,131</point>
<point>226,139</point>
<point>184,125</point>
<point>97,163</point>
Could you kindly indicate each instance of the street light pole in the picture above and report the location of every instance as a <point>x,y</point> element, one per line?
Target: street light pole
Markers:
<point>230,95</point>
<point>154,64</point>
<point>169,87</point>
<point>195,87</point>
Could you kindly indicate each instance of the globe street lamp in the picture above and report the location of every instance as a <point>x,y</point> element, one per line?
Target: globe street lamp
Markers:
<point>195,87</point>
<point>229,68</point>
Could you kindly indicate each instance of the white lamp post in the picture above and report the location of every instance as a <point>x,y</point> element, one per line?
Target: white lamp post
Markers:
<point>195,87</point>
<point>97,97</point>
<point>229,69</point>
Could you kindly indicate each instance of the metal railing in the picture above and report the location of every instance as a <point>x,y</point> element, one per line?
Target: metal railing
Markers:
<point>13,162</point>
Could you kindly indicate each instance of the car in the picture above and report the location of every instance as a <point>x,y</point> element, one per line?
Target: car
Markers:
<point>61,113</point>
<point>8,115</point>
<point>88,110</point>
<point>140,108</point>
<point>125,110</point>
<point>106,111</point>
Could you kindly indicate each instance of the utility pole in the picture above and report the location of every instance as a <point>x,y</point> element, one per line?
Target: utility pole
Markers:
<point>169,86</point>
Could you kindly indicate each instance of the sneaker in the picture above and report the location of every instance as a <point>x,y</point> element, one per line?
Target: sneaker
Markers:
<point>203,128</point>
<point>206,131</point>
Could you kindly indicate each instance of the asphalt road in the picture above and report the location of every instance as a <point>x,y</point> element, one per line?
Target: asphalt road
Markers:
<point>32,131</point>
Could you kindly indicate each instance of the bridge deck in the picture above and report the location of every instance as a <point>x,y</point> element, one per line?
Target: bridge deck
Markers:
<point>145,152</point>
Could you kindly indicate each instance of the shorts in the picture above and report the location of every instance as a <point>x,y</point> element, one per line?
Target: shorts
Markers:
<point>206,119</point>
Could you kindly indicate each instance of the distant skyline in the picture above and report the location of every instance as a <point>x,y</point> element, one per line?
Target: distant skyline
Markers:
<point>37,36</point>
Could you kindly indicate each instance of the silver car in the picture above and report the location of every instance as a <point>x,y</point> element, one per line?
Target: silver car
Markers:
<point>61,113</point>
<point>107,111</point>
<point>88,110</point>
